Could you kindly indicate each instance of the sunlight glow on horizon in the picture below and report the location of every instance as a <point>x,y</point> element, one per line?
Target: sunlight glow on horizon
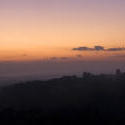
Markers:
<point>42,29</point>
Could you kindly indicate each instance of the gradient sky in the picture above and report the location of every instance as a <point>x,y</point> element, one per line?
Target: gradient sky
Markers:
<point>47,29</point>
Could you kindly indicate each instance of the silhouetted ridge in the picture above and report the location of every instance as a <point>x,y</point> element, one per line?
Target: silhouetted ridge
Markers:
<point>95,99</point>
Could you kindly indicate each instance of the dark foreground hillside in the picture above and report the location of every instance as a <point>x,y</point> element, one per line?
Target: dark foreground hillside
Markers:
<point>93,99</point>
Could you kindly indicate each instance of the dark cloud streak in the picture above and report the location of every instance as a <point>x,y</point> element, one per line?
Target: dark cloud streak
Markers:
<point>98,48</point>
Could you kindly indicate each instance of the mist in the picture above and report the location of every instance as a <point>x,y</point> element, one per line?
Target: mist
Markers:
<point>13,72</point>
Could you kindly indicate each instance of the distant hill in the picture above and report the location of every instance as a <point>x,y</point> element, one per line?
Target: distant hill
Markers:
<point>94,96</point>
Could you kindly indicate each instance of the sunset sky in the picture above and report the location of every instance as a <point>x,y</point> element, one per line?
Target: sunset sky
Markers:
<point>50,29</point>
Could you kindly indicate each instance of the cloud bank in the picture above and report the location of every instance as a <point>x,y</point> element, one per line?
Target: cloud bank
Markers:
<point>97,48</point>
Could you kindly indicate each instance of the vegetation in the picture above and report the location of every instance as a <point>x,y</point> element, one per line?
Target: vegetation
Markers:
<point>91,99</point>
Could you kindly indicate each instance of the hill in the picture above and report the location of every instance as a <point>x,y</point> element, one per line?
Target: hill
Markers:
<point>96,99</point>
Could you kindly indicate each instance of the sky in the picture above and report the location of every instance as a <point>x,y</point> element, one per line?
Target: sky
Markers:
<point>62,30</point>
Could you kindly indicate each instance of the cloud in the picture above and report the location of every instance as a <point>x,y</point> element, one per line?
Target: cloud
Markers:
<point>116,49</point>
<point>84,48</point>
<point>60,58</point>
<point>53,58</point>
<point>79,56</point>
<point>64,58</point>
<point>97,48</point>
<point>24,55</point>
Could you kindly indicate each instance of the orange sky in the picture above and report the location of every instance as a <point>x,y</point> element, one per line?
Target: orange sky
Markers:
<point>31,30</point>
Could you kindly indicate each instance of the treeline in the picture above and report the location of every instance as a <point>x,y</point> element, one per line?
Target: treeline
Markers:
<point>90,99</point>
